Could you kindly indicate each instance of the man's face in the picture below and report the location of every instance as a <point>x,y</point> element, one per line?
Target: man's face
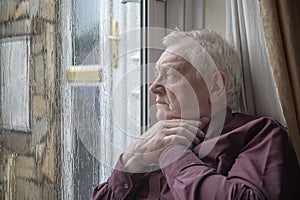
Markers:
<point>179,93</point>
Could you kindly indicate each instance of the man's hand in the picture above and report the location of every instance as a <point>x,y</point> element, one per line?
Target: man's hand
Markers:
<point>146,150</point>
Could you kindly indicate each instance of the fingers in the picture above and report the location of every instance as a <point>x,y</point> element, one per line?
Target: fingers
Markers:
<point>178,122</point>
<point>176,139</point>
<point>186,132</point>
<point>183,132</point>
<point>192,126</point>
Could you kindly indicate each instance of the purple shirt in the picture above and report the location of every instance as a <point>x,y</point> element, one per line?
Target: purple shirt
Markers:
<point>252,159</point>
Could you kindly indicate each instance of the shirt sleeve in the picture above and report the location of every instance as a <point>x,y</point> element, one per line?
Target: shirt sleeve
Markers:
<point>120,185</point>
<point>257,172</point>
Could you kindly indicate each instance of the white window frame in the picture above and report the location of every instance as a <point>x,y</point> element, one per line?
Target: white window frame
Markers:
<point>67,144</point>
<point>68,141</point>
<point>156,13</point>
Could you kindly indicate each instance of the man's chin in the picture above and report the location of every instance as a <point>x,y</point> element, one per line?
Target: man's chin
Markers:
<point>162,114</point>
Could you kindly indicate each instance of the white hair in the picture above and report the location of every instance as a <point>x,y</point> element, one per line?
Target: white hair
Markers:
<point>221,52</point>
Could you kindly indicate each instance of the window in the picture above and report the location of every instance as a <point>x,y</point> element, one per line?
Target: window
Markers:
<point>102,89</point>
<point>105,79</point>
<point>14,89</point>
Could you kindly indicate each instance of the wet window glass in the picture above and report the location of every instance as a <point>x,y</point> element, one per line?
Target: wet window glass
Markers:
<point>102,91</point>
<point>70,94</point>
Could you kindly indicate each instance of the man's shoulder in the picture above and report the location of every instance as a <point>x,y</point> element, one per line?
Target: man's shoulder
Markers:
<point>257,122</point>
<point>259,128</point>
<point>244,127</point>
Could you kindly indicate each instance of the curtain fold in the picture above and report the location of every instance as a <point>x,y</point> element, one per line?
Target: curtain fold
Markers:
<point>245,31</point>
<point>236,34</point>
<point>280,21</point>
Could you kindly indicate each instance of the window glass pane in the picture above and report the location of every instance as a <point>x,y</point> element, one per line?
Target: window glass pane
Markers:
<point>14,79</point>
<point>102,92</point>
<point>86,28</point>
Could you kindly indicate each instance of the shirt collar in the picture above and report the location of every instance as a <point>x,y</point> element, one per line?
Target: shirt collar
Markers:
<point>227,121</point>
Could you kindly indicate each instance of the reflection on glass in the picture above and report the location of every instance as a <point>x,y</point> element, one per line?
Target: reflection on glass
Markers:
<point>104,115</point>
<point>86,28</point>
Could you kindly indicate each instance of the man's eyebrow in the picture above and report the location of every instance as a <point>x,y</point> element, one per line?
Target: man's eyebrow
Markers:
<point>161,66</point>
<point>169,66</point>
<point>179,68</point>
<point>164,67</point>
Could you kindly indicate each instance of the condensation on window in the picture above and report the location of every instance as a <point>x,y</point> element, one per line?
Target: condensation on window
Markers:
<point>14,83</point>
<point>103,109</point>
<point>70,94</point>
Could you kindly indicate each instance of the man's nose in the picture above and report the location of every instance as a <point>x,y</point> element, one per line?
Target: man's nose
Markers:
<point>157,88</point>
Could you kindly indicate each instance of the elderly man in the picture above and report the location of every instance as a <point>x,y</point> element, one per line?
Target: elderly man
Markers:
<point>199,149</point>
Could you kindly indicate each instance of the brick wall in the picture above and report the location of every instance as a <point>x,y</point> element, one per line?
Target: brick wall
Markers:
<point>28,167</point>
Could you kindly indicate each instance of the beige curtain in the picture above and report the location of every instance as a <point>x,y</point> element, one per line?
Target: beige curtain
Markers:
<point>237,32</point>
<point>280,19</point>
<point>266,34</point>
<point>244,29</point>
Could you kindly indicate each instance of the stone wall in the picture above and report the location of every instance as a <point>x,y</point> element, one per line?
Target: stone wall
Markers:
<point>29,161</point>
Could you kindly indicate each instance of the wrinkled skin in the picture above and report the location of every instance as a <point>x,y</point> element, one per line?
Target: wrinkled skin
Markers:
<point>179,94</point>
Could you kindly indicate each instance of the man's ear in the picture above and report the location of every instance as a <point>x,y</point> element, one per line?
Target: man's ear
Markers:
<point>218,87</point>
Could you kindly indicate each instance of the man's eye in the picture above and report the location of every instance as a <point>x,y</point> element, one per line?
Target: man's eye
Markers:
<point>171,76</point>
